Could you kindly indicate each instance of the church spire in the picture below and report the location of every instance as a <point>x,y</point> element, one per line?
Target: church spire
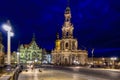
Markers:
<point>67,29</point>
<point>33,39</point>
<point>67,13</point>
<point>57,35</point>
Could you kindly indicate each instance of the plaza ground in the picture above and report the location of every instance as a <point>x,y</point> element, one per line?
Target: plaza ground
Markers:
<point>50,74</point>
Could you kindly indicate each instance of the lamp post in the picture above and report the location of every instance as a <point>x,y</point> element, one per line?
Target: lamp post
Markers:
<point>113,61</point>
<point>7,27</point>
<point>93,56</point>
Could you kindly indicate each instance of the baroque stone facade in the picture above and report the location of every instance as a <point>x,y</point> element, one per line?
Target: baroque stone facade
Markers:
<point>66,49</point>
<point>30,53</point>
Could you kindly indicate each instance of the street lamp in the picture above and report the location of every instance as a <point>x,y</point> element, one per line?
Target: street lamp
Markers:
<point>7,27</point>
<point>92,56</point>
<point>113,63</point>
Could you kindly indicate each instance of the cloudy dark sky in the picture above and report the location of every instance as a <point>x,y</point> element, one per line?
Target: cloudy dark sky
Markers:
<point>96,23</point>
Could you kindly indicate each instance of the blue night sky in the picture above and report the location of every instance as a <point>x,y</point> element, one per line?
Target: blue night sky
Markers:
<point>96,23</point>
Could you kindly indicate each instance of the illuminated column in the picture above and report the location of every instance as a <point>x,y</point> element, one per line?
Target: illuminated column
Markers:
<point>8,48</point>
<point>93,56</point>
<point>7,27</point>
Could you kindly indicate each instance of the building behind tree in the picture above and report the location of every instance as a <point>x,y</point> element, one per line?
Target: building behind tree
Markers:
<point>30,53</point>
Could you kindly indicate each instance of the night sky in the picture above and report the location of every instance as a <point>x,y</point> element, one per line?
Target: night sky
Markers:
<point>96,23</point>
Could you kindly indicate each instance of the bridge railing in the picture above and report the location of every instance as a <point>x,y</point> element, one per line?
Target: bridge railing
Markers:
<point>13,75</point>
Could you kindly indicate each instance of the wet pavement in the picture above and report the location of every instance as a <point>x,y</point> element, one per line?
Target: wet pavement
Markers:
<point>50,74</point>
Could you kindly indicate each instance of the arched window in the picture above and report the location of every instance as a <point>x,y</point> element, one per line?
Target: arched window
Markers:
<point>66,45</point>
<point>67,34</point>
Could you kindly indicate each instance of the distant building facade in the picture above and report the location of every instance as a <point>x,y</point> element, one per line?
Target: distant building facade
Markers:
<point>46,57</point>
<point>2,55</point>
<point>105,62</point>
<point>30,53</point>
<point>66,49</point>
<point>99,61</point>
<point>14,57</point>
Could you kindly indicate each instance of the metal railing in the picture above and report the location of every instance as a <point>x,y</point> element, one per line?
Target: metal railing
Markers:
<point>13,75</point>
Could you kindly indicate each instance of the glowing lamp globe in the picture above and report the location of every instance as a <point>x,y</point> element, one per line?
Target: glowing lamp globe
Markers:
<point>6,27</point>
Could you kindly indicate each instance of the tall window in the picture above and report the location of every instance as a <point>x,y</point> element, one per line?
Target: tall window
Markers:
<point>66,45</point>
<point>73,45</point>
<point>67,34</point>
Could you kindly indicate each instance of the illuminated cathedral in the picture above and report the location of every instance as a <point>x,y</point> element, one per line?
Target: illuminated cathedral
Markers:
<point>66,49</point>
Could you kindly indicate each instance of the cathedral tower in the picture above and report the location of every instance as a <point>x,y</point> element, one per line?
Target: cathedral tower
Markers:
<point>66,49</point>
<point>67,28</point>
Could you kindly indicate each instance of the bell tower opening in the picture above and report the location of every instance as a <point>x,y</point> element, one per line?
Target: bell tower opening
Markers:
<point>67,46</point>
<point>67,34</point>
